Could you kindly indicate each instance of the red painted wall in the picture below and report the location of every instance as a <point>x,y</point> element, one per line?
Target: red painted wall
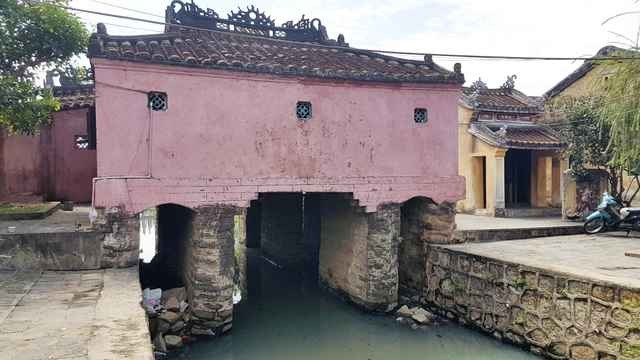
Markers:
<point>48,164</point>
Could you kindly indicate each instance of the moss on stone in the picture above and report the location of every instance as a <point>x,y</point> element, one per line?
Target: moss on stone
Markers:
<point>15,209</point>
<point>631,351</point>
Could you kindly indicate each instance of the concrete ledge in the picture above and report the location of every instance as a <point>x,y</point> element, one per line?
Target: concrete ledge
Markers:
<point>51,251</point>
<point>46,210</point>
<point>121,325</point>
<point>486,235</point>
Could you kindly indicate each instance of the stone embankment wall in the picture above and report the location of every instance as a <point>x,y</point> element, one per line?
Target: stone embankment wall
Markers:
<point>555,315</point>
<point>63,251</point>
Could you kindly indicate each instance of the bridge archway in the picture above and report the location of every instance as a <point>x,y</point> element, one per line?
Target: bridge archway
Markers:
<point>165,231</point>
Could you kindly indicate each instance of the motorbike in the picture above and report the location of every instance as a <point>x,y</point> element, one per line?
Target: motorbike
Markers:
<point>611,215</point>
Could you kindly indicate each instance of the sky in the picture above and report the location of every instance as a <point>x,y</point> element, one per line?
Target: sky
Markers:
<point>557,28</point>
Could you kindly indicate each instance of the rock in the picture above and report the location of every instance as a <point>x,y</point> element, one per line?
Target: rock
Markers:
<point>198,331</point>
<point>172,304</point>
<point>177,327</point>
<point>227,328</point>
<point>170,317</point>
<point>404,311</point>
<point>173,297</point>
<point>422,316</point>
<point>162,327</point>
<point>173,341</point>
<point>159,343</point>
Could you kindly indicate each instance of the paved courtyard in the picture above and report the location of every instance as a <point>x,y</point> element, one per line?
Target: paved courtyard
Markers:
<point>600,257</point>
<point>72,315</point>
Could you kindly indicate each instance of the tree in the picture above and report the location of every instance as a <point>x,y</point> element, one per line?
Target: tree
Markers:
<point>621,108</point>
<point>35,36</point>
<point>590,145</point>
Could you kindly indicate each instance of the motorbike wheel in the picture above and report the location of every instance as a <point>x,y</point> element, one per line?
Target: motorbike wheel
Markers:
<point>594,226</point>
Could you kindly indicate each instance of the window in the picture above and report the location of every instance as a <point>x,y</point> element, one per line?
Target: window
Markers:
<point>81,142</point>
<point>420,115</point>
<point>304,110</point>
<point>158,101</point>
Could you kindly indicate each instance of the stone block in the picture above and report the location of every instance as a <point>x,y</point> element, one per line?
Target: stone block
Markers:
<point>603,293</point>
<point>582,352</point>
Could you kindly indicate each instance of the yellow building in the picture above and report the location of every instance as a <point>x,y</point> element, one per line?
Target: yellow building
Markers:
<point>586,80</point>
<point>511,163</point>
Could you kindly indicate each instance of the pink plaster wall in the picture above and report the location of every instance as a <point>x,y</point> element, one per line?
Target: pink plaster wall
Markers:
<point>21,163</point>
<point>227,136</point>
<point>71,170</point>
<point>48,164</point>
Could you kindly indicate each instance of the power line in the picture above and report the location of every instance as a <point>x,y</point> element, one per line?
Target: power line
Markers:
<point>127,9</point>
<point>457,56</point>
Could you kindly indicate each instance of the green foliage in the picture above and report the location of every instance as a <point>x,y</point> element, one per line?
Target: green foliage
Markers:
<point>35,35</point>
<point>593,142</point>
<point>583,130</point>
<point>24,107</point>
<point>621,109</point>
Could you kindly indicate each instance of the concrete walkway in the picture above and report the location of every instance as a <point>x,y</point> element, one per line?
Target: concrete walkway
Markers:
<point>600,257</point>
<point>473,228</point>
<point>72,315</point>
<point>476,222</point>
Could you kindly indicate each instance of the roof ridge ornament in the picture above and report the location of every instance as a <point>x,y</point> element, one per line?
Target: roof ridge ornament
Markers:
<point>250,21</point>
<point>510,84</point>
<point>251,16</point>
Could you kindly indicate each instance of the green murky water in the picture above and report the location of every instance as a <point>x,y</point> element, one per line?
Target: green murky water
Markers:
<point>287,317</point>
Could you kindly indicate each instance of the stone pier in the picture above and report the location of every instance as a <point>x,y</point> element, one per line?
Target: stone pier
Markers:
<point>359,252</point>
<point>121,245</point>
<point>423,222</point>
<point>210,269</point>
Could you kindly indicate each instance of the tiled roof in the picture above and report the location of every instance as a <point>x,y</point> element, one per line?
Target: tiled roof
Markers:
<point>517,136</point>
<point>75,97</point>
<point>251,42</point>
<point>580,72</point>
<point>237,52</point>
<point>500,100</point>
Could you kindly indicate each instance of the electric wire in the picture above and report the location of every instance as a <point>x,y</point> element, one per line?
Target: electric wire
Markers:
<point>411,53</point>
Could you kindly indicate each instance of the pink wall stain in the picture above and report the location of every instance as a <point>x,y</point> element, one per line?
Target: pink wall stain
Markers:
<point>227,136</point>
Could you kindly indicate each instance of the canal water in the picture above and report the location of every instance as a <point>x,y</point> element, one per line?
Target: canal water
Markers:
<point>288,317</point>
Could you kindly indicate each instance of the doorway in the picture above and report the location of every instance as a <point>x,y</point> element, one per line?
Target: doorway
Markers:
<point>518,178</point>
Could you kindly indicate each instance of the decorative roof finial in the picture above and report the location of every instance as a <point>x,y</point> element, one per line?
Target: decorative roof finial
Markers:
<point>428,59</point>
<point>478,85</point>
<point>457,68</point>
<point>510,84</point>
<point>102,29</point>
<point>341,41</point>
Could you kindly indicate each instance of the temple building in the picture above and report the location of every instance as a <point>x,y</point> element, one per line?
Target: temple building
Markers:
<point>245,133</point>
<point>511,162</point>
